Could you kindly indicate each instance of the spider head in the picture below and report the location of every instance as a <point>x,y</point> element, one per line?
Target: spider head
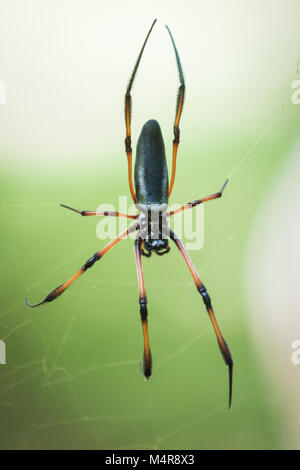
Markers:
<point>157,245</point>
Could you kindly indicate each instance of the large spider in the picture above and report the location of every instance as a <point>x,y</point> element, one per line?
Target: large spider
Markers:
<point>150,194</point>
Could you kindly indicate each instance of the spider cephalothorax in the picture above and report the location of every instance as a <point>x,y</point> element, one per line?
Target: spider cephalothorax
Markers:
<point>154,229</point>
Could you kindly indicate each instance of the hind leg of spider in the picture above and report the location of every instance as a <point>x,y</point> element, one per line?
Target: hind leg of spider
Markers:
<point>128,102</point>
<point>179,107</point>
<point>189,205</point>
<point>88,264</point>
<point>207,302</point>
<point>143,308</point>
<point>99,213</point>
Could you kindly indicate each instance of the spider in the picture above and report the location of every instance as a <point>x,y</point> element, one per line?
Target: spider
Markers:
<point>150,193</point>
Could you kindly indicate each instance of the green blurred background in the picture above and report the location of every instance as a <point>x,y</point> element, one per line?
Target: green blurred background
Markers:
<point>73,375</point>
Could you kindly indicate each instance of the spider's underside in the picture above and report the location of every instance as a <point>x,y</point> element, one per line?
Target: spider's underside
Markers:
<point>150,192</point>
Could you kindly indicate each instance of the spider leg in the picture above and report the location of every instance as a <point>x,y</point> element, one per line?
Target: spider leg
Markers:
<point>104,213</point>
<point>143,308</point>
<point>207,302</point>
<point>189,205</point>
<point>88,264</point>
<point>128,148</point>
<point>145,253</point>
<point>179,107</point>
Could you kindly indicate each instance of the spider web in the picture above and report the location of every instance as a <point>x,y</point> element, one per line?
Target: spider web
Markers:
<point>49,372</point>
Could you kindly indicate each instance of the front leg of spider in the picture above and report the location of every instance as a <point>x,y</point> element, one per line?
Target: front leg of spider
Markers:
<point>207,302</point>
<point>88,264</point>
<point>143,308</point>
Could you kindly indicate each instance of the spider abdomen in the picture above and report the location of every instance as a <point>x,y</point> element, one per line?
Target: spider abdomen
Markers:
<point>151,172</point>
